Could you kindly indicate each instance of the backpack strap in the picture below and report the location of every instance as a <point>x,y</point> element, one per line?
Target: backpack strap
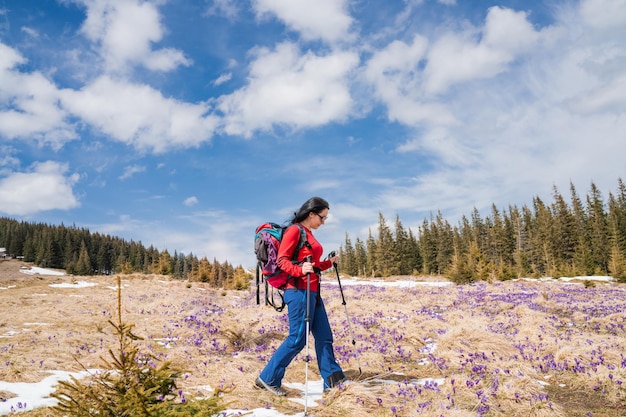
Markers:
<point>302,242</point>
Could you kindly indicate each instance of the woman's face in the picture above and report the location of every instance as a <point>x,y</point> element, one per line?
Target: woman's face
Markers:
<point>317,219</point>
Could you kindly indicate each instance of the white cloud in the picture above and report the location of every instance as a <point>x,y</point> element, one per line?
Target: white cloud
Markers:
<point>610,97</point>
<point>30,104</point>
<point>291,89</point>
<point>322,19</point>
<point>124,31</point>
<point>7,160</point>
<point>33,33</point>
<point>140,116</point>
<point>165,59</point>
<point>9,58</point>
<point>491,112</point>
<point>131,170</point>
<point>549,117</point>
<point>604,15</point>
<point>223,78</point>
<point>391,68</point>
<point>45,186</point>
<point>397,80</point>
<point>459,57</point>
<point>191,201</point>
<point>33,108</point>
<point>226,8</point>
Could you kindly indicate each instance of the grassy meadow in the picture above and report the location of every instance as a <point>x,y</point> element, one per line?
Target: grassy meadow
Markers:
<point>516,348</point>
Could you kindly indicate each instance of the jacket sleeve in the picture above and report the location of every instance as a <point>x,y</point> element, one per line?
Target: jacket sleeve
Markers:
<point>288,244</point>
<point>324,265</point>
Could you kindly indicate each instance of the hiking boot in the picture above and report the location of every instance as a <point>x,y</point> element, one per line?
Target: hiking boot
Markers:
<point>341,385</point>
<point>274,390</point>
<point>336,379</point>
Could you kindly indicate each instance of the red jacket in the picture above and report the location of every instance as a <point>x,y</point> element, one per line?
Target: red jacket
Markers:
<point>288,245</point>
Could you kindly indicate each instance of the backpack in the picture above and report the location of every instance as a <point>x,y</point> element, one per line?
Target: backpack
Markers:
<point>266,243</point>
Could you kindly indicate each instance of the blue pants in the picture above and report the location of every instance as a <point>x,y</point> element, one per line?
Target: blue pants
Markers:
<point>274,371</point>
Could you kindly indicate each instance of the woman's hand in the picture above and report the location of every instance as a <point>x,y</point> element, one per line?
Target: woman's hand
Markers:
<point>307,268</point>
<point>333,259</point>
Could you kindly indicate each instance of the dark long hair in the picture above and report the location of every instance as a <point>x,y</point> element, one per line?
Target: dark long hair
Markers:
<point>312,205</point>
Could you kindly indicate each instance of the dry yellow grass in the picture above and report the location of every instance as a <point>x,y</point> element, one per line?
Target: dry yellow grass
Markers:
<point>485,349</point>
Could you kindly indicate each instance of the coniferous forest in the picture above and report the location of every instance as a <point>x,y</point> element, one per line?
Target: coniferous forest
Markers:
<point>80,252</point>
<point>582,237</point>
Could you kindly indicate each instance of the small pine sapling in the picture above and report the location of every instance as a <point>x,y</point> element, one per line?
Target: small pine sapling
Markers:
<point>131,384</point>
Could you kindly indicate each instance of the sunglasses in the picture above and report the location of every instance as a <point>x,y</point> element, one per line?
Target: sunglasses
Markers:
<point>322,218</point>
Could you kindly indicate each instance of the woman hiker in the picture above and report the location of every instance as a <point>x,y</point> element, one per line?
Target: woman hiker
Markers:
<point>311,215</point>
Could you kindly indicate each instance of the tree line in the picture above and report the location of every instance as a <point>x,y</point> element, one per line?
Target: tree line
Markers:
<point>81,252</point>
<point>581,238</point>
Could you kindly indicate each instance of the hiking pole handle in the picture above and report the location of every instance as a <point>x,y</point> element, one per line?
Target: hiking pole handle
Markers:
<point>343,299</point>
<point>332,254</point>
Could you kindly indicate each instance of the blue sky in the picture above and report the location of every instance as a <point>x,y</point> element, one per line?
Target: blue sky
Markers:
<point>185,123</point>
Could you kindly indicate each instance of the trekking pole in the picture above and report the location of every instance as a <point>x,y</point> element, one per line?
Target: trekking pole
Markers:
<point>308,325</point>
<point>258,284</point>
<point>343,301</point>
<point>258,289</point>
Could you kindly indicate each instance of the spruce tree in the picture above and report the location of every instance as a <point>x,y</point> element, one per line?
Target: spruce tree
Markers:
<point>498,239</point>
<point>617,229</point>
<point>444,243</point>
<point>564,226</point>
<point>133,383</point>
<point>542,240</point>
<point>619,214</point>
<point>83,264</point>
<point>415,254</point>
<point>386,255</point>
<point>402,249</point>
<point>598,231</point>
<point>361,257</point>
<point>372,253</point>
<point>583,262</point>
<point>458,271</point>
<point>509,244</point>
<point>617,264</point>
<point>349,263</point>
<point>428,246</point>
